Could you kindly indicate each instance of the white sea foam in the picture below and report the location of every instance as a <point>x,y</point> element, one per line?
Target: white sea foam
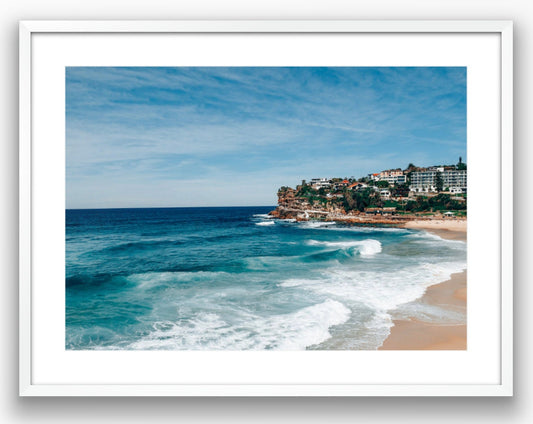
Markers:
<point>316,224</point>
<point>265,223</point>
<point>208,331</point>
<point>378,328</point>
<point>295,282</point>
<point>384,293</point>
<point>367,247</point>
<point>430,313</point>
<point>432,241</point>
<point>378,290</point>
<point>263,216</point>
<point>427,236</point>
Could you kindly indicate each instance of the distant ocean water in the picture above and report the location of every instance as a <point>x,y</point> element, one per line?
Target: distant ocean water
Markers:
<point>235,279</point>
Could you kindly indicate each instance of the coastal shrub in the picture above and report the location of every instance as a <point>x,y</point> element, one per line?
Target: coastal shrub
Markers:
<point>349,202</point>
<point>409,206</point>
<point>392,204</point>
<point>441,202</point>
<point>400,190</point>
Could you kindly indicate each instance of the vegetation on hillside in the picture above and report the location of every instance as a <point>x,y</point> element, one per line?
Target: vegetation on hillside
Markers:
<point>369,197</point>
<point>338,196</point>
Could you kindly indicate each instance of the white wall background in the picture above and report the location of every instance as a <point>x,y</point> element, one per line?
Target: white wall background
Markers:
<point>373,410</point>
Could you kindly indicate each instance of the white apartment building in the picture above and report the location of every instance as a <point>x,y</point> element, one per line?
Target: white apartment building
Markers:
<point>395,179</point>
<point>318,183</point>
<point>424,181</point>
<point>392,176</point>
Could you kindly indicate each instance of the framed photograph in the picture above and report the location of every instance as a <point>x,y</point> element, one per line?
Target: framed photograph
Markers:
<point>266,208</point>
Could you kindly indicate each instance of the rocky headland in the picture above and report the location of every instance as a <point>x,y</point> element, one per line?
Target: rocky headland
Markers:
<point>342,207</point>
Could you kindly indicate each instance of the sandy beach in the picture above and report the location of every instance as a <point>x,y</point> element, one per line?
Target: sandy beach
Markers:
<point>451,229</point>
<point>410,334</point>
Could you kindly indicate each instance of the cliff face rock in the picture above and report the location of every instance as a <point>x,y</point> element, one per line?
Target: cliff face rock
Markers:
<point>286,197</point>
<point>292,206</point>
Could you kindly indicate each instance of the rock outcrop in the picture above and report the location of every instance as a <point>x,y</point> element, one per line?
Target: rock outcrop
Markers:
<point>301,208</point>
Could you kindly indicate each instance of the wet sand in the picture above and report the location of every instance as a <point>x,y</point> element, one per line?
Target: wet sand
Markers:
<point>412,334</point>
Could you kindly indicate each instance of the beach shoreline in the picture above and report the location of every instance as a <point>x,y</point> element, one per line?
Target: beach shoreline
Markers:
<point>432,223</point>
<point>450,229</point>
<point>412,334</point>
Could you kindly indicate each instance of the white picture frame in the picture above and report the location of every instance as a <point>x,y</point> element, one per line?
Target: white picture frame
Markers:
<point>38,370</point>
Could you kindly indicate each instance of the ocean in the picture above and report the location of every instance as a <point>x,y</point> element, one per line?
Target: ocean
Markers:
<point>232,278</point>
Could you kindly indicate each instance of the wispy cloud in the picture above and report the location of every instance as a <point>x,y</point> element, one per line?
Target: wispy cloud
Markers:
<point>166,128</point>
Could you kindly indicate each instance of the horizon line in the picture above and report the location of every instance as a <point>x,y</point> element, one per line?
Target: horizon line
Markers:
<point>172,207</point>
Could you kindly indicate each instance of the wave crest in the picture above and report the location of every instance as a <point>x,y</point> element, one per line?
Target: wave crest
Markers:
<point>265,223</point>
<point>368,247</point>
<point>208,331</point>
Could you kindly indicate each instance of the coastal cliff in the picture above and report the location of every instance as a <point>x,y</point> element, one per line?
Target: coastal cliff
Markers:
<point>361,207</point>
<point>292,204</point>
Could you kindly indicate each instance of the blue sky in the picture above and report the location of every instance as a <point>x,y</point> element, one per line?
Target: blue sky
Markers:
<point>149,137</point>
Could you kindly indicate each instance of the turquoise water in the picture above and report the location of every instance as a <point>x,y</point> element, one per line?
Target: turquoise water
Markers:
<point>234,279</point>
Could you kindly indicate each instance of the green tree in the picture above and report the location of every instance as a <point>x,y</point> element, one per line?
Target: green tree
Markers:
<point>382,184</point>
<point>460,165</point>
<point>349,202</point>
<point>421,204</point>
<point>439,182</point>
<point>408,178</point>
<point>401,190</point>
<point>409,206</point>
<point>305,190</point>
<point>375,200</point>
